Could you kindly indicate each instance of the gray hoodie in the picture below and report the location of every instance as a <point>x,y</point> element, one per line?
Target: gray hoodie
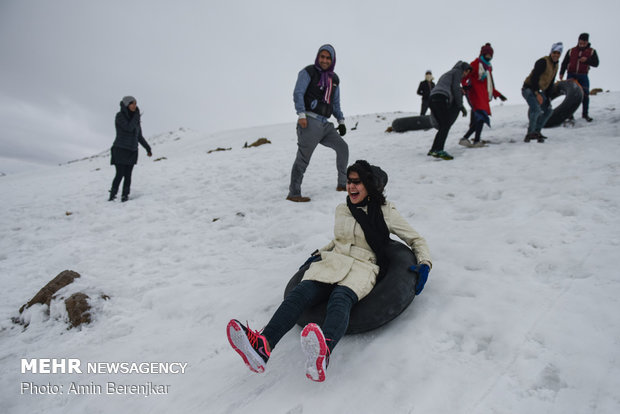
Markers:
<point>449,84</point>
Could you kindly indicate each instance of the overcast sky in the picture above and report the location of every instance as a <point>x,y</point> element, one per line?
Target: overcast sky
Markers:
<point>213,66</point>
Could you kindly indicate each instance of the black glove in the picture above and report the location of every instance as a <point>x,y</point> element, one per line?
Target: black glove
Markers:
<point>502,97</point>
<point>342,130</point>
<point>464,111</point>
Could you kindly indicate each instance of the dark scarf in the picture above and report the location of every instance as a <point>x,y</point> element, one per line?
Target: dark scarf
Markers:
<point>374,227</point>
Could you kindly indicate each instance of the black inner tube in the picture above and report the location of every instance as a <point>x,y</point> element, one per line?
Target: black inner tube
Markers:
<point>388,299</point>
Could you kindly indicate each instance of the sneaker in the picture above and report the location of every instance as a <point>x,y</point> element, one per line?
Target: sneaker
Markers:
<point>587,118</point>
<point>298,199</point>
<point>314,345</point>
<point>440,154</point>
<point>124,198</point>
<point>478,144</point>
<point>341,188</point>
<point>112,197</point>
<point>465,142</point>
<point>251,345</point>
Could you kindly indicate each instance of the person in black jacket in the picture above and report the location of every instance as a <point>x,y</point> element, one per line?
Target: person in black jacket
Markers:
<point>125,147</point>
<point>424,90</point>
<point>578,61</point>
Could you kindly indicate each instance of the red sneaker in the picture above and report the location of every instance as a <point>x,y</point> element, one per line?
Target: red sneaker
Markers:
<point>315,347</point>
<point>251,345</point>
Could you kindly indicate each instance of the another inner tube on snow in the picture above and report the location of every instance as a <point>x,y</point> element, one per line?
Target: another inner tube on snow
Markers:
<point>572,100</point>
<point>388,299</point>
<point>412,123</point>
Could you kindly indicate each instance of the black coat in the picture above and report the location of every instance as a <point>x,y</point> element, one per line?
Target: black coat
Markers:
<point>425,89</point>
<point>128,135</point>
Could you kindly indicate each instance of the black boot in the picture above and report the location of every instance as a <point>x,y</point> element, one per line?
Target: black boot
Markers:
<point>112,195</point>
<point>124,198</point>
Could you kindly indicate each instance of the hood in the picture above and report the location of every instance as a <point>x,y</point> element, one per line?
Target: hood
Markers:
<point>330,49</point>
<point>462,66</point>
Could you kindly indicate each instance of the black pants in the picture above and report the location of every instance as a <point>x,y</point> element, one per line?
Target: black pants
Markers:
<point>340,300</point>
<point>445,116</point>
<point>122,172</point>
<point>424,107</point>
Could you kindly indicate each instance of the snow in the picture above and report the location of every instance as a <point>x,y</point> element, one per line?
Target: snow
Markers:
<point>519,314</point>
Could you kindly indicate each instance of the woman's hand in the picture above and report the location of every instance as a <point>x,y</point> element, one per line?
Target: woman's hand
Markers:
<point>422,270</point>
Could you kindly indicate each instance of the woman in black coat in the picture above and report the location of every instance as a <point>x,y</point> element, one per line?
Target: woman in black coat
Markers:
<point>125,146</point>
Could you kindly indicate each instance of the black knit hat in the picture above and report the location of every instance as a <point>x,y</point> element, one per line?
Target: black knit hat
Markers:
<point>584,36</point>
<point>373,177</point>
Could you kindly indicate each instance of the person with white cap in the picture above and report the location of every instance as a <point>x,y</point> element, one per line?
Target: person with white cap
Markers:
<point>537,90</point>
<point>317,98</point>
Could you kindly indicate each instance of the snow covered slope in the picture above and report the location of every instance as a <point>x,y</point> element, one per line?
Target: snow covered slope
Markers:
<point>520,314</point>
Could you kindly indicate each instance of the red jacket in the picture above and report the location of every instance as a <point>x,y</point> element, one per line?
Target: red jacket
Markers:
<point>481,88</point>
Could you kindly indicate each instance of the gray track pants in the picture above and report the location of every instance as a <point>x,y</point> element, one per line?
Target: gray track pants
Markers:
<point>308,138</point>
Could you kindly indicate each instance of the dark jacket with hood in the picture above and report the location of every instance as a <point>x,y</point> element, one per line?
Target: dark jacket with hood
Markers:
<point>128,135</point>
<point>449,84</point>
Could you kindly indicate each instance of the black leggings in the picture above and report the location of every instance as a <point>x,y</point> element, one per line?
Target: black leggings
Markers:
<point>122,171</point>
<point>306,294</point>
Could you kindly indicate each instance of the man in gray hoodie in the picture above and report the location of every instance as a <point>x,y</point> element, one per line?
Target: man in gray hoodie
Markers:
<point>446,103</point>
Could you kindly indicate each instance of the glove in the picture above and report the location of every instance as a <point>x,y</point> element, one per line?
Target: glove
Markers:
<point>149,153</point>
<point>464,111</point>
<point>315,257</point>
<point>502,97</point>
<point>422,271</point>
<point>342,130</point>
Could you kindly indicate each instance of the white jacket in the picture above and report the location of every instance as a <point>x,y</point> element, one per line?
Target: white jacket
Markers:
<point>348,260</point>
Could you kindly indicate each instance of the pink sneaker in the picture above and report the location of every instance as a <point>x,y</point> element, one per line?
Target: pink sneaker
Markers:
<point>314,345</point>
<point>250,344</point>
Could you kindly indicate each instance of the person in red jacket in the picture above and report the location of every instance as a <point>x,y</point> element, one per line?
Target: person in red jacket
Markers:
<point>578,61</point>
<point>480,90</point>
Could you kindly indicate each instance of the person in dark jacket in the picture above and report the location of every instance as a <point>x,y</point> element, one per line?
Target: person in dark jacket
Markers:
<point>446,103</point>
<point>125,147</point>
<point>578,61</point>
<point>317,98</point>
<point>537,90</point>
<point>424,90</point>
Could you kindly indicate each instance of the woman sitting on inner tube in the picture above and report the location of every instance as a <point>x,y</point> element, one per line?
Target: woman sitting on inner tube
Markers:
<point>347,272</point>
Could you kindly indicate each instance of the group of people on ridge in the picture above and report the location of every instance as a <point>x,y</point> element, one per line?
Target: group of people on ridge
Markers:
<point>475,82</point>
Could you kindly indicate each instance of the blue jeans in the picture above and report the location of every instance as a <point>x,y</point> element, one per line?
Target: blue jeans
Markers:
<point>538,114</point>
<point>584,81</point>
<point>340,300</point>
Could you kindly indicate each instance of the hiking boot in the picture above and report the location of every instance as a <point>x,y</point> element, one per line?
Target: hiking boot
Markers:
<point>341,188</point>
<point>298,199</point>
<point>587,118</point>
<point>440,154</point>
<point>314,345</point>
<point>251,345</point>
<point>541,136</point>
<point>531,136</point>
<point>465,142</point>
